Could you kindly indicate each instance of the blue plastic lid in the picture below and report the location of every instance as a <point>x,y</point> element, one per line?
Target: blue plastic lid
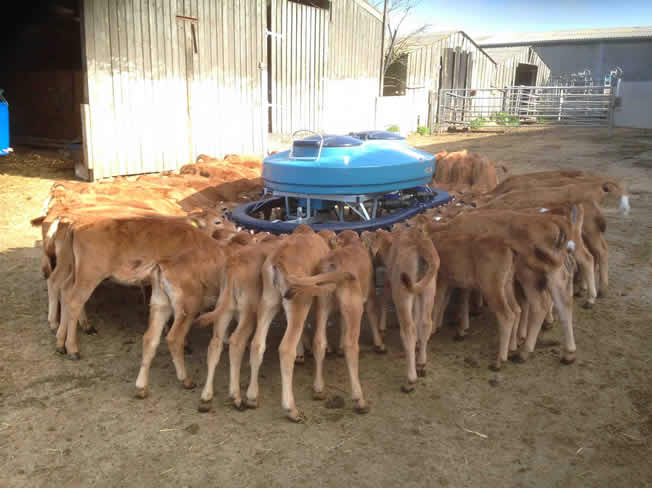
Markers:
<point>377,135</point>
<point>329,141</point>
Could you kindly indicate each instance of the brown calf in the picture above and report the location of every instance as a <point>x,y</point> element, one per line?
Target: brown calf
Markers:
<point>299,255</point>
<point>407,255</point>
<point>346,274</point>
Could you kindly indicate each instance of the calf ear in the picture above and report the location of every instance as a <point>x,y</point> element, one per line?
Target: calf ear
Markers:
<point>574,214</point>
<point>37,221</point>
<point>198,222</point>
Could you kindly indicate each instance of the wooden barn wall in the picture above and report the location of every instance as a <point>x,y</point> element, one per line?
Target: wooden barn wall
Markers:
<point>423,72</point>
<point>163,88</point>
<point>324,72</point>
<point>506,71</point>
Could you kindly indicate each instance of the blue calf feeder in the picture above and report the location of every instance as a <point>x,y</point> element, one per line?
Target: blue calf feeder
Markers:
<point>363,181</point>
<point>4,126</point>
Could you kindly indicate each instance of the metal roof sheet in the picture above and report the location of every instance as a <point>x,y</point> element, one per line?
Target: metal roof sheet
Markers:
<point>528,38</point>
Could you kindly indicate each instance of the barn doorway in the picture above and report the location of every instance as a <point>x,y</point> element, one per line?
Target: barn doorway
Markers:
<point>526,75</point>
<point>455,69</point>
<point>41,74</point>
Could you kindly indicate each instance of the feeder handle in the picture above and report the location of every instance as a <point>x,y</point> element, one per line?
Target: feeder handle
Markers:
<point>321,145</point>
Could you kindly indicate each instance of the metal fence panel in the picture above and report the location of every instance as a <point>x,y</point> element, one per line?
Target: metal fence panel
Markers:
<point>543,106</point>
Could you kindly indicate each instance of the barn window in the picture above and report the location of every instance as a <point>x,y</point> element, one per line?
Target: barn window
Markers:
<point>324,4</point>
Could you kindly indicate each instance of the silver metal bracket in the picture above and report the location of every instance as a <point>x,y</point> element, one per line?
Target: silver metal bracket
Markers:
<point>277,35</point>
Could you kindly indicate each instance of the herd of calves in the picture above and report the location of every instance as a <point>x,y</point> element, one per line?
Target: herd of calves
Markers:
<point>518,248</point>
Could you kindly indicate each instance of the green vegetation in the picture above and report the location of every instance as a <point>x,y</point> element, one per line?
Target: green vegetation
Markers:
<point>478,123</point>
<point>422,130</point>
<point>394,128</point>
<point>504,118</point>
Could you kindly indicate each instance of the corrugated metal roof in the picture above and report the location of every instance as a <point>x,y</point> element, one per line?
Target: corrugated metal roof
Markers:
<point>527,38</point>
<point>432,37</point>
<point>502,54</point>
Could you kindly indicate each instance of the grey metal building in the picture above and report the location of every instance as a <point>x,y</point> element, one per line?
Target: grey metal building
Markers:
<point>598,50</point>
<point>438,61</point>
<point>518,65</point>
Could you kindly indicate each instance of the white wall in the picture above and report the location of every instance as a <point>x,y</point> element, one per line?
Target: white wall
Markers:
<point>636,105</point>
<point>401,111</point>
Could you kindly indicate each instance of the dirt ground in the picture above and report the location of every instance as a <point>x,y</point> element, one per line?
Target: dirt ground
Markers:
<point>539,424</point>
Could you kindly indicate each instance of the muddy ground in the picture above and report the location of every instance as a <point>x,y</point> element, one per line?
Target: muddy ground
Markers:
<point>539,424</point>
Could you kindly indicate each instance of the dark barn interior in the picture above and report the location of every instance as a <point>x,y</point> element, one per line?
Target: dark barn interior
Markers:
<point>41,73</point>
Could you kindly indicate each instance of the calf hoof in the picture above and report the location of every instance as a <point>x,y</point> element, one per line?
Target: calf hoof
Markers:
<point>204,406</point>
<point>91,330</point>
<point>458,337</point>
<point>61,350</point>
<point>602,294</point>
<point>588,305</point>
<point>318,395</point>
<point>421,370</point>
<point>361,408</point>
<point>188,384</point>
<point>239,405</point>
<point>340,352</point>
<point>516,357</point>
<point>251,403</point>
<point>296,416</point>
<point>546,325</point>
<point>74,356</point>
<point>141,393</point>
<point>380,349</point>
<point>187,350</point>
<point>300,360</point>
<point>495,366</point>
<point>568,358</point>
<point>409,387</point>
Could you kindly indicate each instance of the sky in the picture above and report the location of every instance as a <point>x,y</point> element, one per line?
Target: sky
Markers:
<point>477,17</point>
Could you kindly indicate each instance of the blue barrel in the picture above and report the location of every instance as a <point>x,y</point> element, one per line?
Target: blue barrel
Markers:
<point>4,126</point>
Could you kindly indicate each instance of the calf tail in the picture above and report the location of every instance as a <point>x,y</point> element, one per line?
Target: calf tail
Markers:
<point>225,301</point>
<point>321,284</point>
<point>427,251</point>
<point>309,290</point>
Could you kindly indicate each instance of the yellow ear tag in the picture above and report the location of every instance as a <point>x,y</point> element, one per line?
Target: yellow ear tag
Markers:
<point>333,244</point>
<point>194,223</point>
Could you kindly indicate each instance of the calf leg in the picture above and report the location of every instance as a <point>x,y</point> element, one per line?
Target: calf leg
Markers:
<point>371,307</point>
<point>215,351</point>
<point>267,310</point>
<point>404,304</point>
<point>351,308</point>
<point>237,345</point>
<point>296,311</point>
<point>427,303</point>
<point>319,345</point>
<point>563,300</point>
<point>463,327</point>
<point>550,318</point>
<point>160,310</point>
<point>586,268</point>
<point>74,296</point>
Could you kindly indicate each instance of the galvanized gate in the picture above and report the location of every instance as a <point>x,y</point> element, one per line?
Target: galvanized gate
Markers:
<point>542,106</point>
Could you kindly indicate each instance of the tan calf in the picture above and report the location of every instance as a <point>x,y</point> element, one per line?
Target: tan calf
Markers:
<point>298,256</point>
<point>240,295</point>
<point>346,276</point>
<point>408,255</point>
<point>481,262</point>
